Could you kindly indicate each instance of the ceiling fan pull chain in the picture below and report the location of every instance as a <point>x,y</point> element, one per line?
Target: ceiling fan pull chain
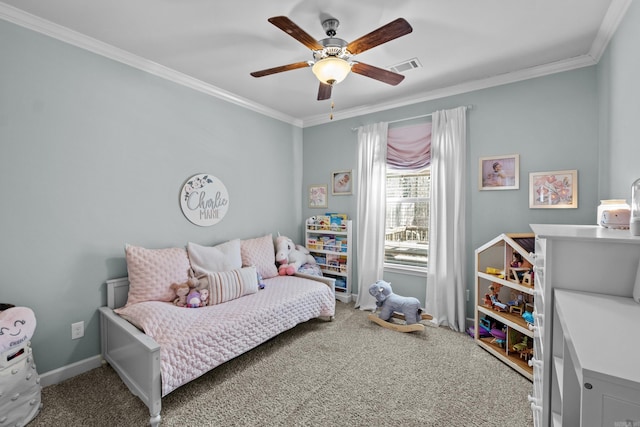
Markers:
<point>331,113</point>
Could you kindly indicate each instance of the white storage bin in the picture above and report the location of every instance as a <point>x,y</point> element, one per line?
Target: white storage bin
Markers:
<point>20,387</point>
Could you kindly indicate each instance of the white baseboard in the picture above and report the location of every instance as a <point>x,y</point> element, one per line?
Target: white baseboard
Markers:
<point>64,373</point>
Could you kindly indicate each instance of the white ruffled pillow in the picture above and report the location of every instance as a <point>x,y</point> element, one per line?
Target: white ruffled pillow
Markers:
<point>152,271</point>
<point>222,257</point>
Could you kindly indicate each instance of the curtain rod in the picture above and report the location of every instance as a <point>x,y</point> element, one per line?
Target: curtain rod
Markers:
<point>469,107</point>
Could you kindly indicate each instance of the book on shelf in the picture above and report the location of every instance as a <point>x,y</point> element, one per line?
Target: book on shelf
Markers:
<point>341,244</point>
<point>320,260</point>
<point>337,221</point>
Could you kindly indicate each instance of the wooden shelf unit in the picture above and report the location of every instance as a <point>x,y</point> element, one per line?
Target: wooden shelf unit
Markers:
<point>493,267</point>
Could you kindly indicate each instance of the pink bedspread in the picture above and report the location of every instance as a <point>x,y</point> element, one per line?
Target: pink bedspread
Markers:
<point>195,340</point>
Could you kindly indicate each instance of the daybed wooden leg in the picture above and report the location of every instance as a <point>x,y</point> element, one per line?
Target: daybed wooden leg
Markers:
<point>154,420</point>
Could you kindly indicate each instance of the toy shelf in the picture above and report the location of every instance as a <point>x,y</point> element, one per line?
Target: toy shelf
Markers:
<point>509,358</point>
<point>504,294</point>
<point>512,284</point>
<point>339,229</point>
<point>513,321</point>
<point>329,242</point>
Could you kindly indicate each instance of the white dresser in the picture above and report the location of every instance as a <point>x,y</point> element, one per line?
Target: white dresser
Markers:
<point>589,259</point>
<point>596,359</point>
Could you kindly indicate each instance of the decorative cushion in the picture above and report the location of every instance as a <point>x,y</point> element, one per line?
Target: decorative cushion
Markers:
<point>261,253</point>
<point>227,285</point>
<point>152,271</point>
<point>223,257</point>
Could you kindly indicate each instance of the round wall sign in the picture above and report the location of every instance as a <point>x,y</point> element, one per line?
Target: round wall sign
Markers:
<point>204,200</point>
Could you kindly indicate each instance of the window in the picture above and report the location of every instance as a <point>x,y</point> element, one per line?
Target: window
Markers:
<point>406,240</point>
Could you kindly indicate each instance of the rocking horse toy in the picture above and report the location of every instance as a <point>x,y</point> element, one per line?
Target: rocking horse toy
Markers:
<point>392,305</point>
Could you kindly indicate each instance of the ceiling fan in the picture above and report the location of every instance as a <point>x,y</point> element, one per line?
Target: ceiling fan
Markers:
<point>333,57</point>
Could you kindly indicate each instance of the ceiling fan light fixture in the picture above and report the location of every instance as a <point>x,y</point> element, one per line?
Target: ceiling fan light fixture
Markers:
<point>331,70</point>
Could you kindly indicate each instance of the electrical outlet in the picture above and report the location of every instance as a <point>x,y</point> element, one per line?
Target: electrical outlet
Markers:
<point>467,292</point>
<point>77,330</point>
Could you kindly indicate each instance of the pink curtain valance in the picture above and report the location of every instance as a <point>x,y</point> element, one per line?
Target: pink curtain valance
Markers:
<point>409,147</point>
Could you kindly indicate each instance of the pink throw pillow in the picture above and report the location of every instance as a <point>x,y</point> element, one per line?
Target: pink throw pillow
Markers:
<point>260,253</point>
<point>152,271</point>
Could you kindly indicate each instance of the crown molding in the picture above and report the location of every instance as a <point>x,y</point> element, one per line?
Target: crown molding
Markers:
<point>66,35</point>
<point>488,82</point>
<point>609,25</point>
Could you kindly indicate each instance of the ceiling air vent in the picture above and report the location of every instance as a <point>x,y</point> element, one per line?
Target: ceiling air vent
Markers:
<point>407,65</point>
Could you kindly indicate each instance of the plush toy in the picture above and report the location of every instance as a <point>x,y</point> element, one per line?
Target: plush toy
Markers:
<point>182,290</point>
<point>17,325</point>
<point>390,303</point>
<point>312,220</point>
<point>291,256</point>
<point>193,299</point>
<point>204,297</point>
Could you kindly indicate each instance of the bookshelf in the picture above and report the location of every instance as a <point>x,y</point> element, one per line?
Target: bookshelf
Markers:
<point>328,239</point>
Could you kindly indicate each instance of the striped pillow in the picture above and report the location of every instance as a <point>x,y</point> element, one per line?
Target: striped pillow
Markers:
<point>227,285</point>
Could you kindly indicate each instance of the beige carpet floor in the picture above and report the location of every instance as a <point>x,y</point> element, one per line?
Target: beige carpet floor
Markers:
<point>349,372</point>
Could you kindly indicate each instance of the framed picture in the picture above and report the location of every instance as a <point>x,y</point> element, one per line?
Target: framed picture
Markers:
<point>553,190</point>
<point>499,172</point>
<point>341,182</point>
<point>318,196</point>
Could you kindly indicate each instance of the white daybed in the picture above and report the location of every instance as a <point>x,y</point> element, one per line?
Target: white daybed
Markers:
<point>203,338</point>
<point>156,346</point>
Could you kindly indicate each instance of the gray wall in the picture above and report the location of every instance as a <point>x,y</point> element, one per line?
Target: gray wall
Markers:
<point>551,122</point>
<point>93,154</point>
<point>619,95</point>
<point>583,119</point>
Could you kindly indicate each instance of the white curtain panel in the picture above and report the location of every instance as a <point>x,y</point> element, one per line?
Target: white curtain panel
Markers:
<point>371,210</point>
<point>445,299</point>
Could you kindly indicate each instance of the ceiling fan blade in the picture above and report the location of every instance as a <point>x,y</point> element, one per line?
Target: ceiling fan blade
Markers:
<point>386,33</point>
<point>289,27</point>
<point>280,69</point>
<point>324,91</point>
<point>381,74</point>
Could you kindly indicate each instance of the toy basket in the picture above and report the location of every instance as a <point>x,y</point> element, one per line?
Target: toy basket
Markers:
<point>20,389</point>
<point>20,400</point>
